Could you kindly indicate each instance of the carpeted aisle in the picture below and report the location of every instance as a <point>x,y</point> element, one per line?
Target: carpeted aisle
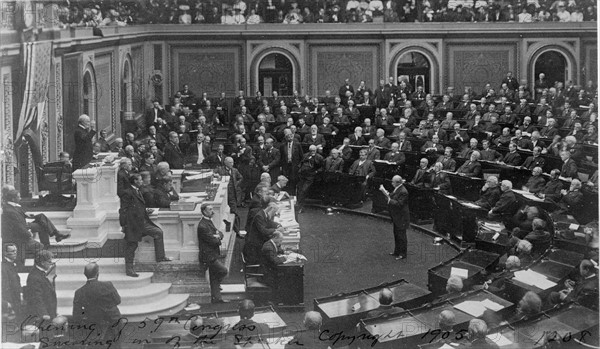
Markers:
<point>348,252</point>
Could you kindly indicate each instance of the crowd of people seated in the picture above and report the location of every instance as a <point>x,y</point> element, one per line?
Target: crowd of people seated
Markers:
<point>102,13</point>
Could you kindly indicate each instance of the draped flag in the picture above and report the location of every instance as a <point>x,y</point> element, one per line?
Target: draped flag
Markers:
<point>37,63</point>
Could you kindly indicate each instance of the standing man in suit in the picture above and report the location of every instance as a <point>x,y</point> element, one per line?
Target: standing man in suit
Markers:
<point>96,303</point>
<point>125,168</point>
<point>83,142</point>
<point>312,163</point>
<point>11,282</point>
<point>235,194</point>
<point>398,209</point>
<point>269,159</point>
<point>172,153</point>
<point>209,245</point>
<point>199,151</point>
<point>135,220</point>
<point>153,114</point>
<point>40,296</point>
<point>291,155</point>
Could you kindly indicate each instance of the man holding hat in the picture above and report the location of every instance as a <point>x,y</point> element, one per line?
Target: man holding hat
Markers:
<point>398,209</point>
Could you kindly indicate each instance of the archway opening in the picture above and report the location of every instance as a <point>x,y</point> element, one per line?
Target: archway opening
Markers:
<point>554,65</point>
<point>89,97</point>
<point>276,73</point>
<point>415,68</point>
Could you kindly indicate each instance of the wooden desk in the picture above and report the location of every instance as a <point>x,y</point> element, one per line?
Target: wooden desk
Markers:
<point>454,219</point>
<point>337,311</point>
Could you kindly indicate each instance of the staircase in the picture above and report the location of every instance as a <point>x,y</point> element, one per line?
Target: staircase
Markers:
<point>140,297</point>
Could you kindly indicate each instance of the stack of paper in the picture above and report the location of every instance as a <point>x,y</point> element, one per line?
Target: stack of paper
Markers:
<point>533,278</point>
<point>192,194</point>
<point>499,339</point>
<point>460,272</point>
<point>470,205</point>
<point>476,309</point>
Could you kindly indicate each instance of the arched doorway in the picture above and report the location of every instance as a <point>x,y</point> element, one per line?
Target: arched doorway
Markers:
<point>554,65</point>
<point>89,96</point>
<point>127,91</point>
<point>415,67</point>
<point>276,73</point>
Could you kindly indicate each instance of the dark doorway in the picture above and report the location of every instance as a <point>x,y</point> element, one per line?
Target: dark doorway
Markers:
<point>275,73</point>
<point>415,67</point>
<point>554,65</point>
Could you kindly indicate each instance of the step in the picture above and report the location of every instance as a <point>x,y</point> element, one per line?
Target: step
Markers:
<point>168,305</point>
<point>129,296</point>
<point>69,245</point>
<point>120,281</point>
<point>108,265</point>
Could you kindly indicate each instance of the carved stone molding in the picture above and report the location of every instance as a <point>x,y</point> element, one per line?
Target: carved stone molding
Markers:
<point>7,129</point>
<point>58,103</point>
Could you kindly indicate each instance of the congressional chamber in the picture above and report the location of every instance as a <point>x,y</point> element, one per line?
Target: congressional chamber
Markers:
<point>287,174</point>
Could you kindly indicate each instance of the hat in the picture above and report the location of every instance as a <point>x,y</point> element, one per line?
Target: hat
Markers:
<point>567,234</point>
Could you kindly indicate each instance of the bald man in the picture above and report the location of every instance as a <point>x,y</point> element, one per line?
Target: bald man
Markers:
<point>96,302</point>
<point>397,201</point>
<point>386,298</point>
<point>83,153</point>
<point>310,337</point>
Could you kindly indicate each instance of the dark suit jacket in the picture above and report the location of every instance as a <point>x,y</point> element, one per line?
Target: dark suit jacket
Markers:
<point>96,303</point>
<point>366,169</point>
<point>295,156</point>
<point>83,153</point>
<point>215,160</point>
<point>11,285</point>
<point>132,214</point>
<point>40,295</point>
<point>123,181</point>
<point>319,139</point>
<point>373,154</point>
<point>209,246</point>
<point>512,159</point>
<point>398,157</point>
<point>356,141</point>
<point>398,207</point>
<point>569,169</point>
<point>271,256</point>
<point>192,152</point>
<point>470,169</point>
<point>270,158</point>
<point>532,162</point>
<point>421,178</point>
<point>405,146</point>
<point>488,198</point>
<point>383,143</point>
<point>506,205</point>
<point>260,232</point>
<point>150,116</point>
<point>14,225</point>
<point>442,181</point>
<point>334,165</point>
<point>535,184</point>
<point>173,155</point>
<point>384,309</point>
<point>447,164</point>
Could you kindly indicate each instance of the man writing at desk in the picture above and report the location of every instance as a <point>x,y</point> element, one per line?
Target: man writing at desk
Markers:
<point>272,256</point>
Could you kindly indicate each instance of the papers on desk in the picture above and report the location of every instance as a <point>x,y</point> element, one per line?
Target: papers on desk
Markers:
<point>470,205</point>
<point>528,195</point>
<point>495,226</point>
<point>448,346</point>
<point>499,339</point>
<point>294,257</point>
<point>451,197</point>
<point>199,176</point>
<point>282,195</point>
<point>476,308</point>
<point>460,272</point>
<point>192,194</point>
<point>573,226</point>
<point>532,278</point>
<point>385,162</point>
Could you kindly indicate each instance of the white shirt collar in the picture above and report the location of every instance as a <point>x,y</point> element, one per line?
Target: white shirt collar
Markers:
<point>14,204</point>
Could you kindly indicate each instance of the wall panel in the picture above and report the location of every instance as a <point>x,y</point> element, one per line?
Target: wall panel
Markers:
<point>206,69</point>
<point>331,65</point>
<point>476,65</point>
<point>104,88</point>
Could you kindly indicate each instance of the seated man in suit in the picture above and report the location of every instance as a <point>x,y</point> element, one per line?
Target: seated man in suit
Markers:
<point>386,298</point>
<point>394,155</point>
<point>569,167</point>
<point>523,220</point>
<point>199,151</point>
<point>454,286</point>
<point>489,154</point>
<point>357,138</point>
<point>571,199</point>
<point>535,159</point>
<point>247,330</point>
<point>372,152</point>
<point>536,182</point>
<point>507,203</point>
<point>96,303</point>
<point>512,158</point>
<point>380,139</point>
<point>272,256</point>
<point>472,167</point>
<point>315,138</point>
<point>363,167</point>
<point>478,330</point>
<point>439,180</point>
<point>277,188</point>
<point>489,194</point>
<point>310,337</point>
<point>433,146</point>
<point>15,228</point>
<point>584,290</point>
<point>422,177</point>
<point>164,194</point>
<point>334,163</point>
<point>261,229</point>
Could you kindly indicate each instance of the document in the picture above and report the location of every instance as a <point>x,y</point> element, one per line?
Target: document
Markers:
<point>470,205</point>
<point>460,272</point>
<point>533,278</point>
<point>472,308</point>
<point>573,226</point>
<point>499,339</point>
<point>192,194</point>
<point>491,305</point>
